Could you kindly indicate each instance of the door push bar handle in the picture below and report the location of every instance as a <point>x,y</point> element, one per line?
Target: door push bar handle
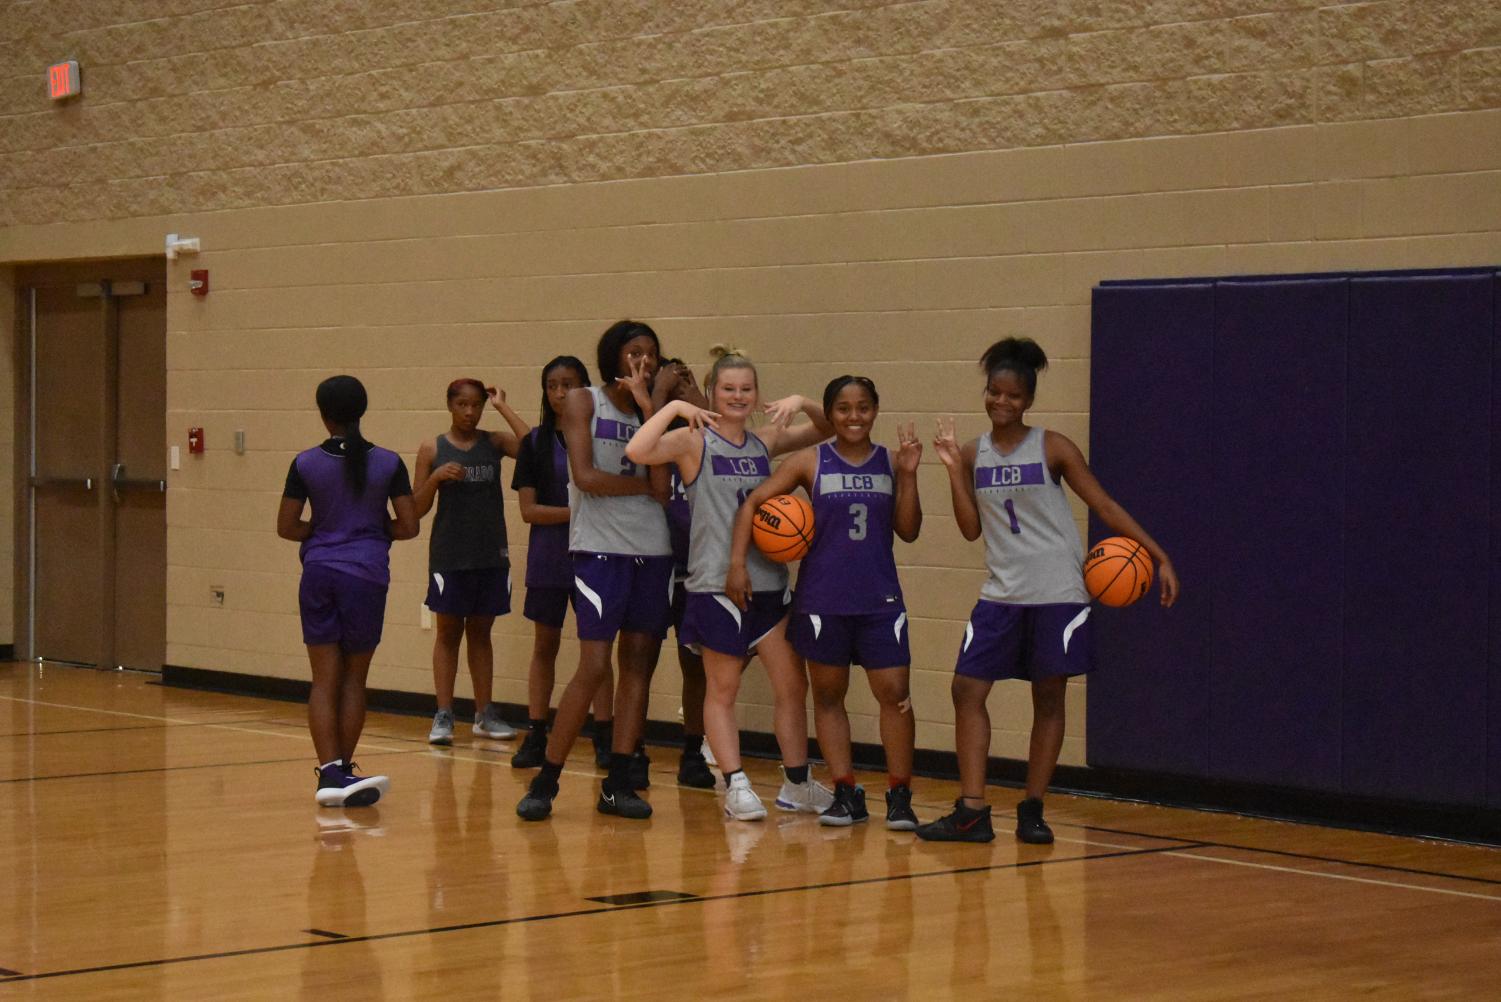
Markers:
<point>87,483</point>
<point>118,479</point>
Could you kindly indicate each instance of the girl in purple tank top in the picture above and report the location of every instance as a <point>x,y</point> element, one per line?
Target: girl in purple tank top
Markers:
<point>849,607</point>
<point>345,573</point>
<point>541,485</point>
<point>1029,623</point>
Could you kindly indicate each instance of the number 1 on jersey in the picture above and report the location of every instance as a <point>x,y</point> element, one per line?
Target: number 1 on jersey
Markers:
<point>1016,528</point>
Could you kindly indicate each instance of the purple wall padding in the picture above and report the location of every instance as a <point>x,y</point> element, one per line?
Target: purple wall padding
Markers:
<point>1494,714</point>
<point>1417,538</point>
<point>1278,576</point>
<point>1150,407</point>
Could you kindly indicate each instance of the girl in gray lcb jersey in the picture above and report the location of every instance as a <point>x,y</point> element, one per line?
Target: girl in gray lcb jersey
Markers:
<point>622,565</point>
<point>1032,620</point>
<point>721,460</point>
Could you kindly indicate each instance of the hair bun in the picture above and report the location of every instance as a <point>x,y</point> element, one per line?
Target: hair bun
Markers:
<point>1014,352</point>
<point>718,351</point>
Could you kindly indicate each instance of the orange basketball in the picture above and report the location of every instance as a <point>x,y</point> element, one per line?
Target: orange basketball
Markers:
<point>782,528</point>
<point>1117,571</point>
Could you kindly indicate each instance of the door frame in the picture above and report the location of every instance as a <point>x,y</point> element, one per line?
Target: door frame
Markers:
<point>81,272</point>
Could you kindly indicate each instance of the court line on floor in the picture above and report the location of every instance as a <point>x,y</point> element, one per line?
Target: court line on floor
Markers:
<point>408,751</point>
<point>1311,857</point>
<point>1339,876</point>
<point>174,720</point>
<point>167,726</point>
<point>586,912</point>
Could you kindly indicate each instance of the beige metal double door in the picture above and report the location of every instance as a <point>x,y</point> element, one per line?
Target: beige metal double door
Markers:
<point>96,489</point>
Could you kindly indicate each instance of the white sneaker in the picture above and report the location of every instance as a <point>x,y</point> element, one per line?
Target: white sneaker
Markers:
<point>487,724</point>
<point>442,732</point>
<point>741,802</point>
<point>811,797</point>
<point>709,754</point>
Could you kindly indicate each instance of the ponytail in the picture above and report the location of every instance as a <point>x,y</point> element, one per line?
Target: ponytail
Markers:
<point>342,402</point>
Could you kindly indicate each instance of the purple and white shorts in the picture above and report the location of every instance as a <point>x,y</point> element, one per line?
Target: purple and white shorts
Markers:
<point>712,621</point>
<point>872,640</point>
<point>483,591</point>
<point>1028,642</point>
<point>614,594</point>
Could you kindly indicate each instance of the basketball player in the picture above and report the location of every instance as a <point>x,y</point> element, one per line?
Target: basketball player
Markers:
<point>346,569</point>
<point>622,564</point>
<point>721,459</point>
<point>849,607</point>
<point>1032,619</point>
<point>468,567</point>
<point>540,481</point>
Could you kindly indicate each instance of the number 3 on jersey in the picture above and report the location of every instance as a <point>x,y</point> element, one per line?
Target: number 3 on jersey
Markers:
<point>859,513</point>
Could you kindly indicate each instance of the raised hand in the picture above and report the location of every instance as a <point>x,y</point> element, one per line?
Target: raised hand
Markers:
<point>909,449</point>
<point>781,412</point>
<point>945,444</point>
<point>696,416</point>
<point>497,396</point>
<point>636,382</point>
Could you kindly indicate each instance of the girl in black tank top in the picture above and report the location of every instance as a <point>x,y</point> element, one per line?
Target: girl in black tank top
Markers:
<point>469,570</point>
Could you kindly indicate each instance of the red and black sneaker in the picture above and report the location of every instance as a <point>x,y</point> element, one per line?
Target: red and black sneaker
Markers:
<point>965,824</point>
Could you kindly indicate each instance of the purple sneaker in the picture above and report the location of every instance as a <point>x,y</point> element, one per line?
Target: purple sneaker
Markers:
<point>338,786</point>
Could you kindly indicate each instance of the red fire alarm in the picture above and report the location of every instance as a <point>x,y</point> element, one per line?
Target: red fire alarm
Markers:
<point>195,441</point>
<point>198,281</point>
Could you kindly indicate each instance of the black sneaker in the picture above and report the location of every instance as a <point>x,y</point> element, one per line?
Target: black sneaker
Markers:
<point>966,824</point>
<point>603,738</point>
<point>640,774</point>
<point>1030,827</point>
<point>623,804</point>
<point>848,807</point>
<point>537,804</point>
<point>694,771</point>
<point>899,816</point>
<point>532,751</point>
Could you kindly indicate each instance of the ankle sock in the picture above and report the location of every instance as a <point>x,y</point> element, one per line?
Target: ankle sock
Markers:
<point>796,773</point>
<point>729,777</point>
<point>620,771</point>
<point>892,782</point>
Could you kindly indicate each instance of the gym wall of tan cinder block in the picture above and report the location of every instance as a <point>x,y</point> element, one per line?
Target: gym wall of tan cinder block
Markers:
<point>418,190</point>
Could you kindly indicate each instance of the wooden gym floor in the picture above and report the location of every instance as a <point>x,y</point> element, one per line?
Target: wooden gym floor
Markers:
<point>158,843</point>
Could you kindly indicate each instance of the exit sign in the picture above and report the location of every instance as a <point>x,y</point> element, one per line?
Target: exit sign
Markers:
<point>63,80</point>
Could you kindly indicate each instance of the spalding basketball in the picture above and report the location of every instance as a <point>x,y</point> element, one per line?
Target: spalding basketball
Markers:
<point>782,528</point>
<point>1117,571</point>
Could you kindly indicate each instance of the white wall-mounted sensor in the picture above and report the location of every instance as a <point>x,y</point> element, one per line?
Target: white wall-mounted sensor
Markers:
<point>180,245</point>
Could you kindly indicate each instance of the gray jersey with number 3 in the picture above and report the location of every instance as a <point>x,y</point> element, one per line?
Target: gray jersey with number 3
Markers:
<point>1032,547</point>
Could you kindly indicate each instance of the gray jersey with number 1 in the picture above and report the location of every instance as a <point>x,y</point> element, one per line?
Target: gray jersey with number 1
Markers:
<point>1032,547</point>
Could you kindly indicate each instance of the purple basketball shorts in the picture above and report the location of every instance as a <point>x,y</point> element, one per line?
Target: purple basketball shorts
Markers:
<point>548,606</point>
<point>339,608</point>
<point>614,593</point>
<point>1025,641</point>
<point>712,621</point>
<point>872,640</point>
<point>483,591</point>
